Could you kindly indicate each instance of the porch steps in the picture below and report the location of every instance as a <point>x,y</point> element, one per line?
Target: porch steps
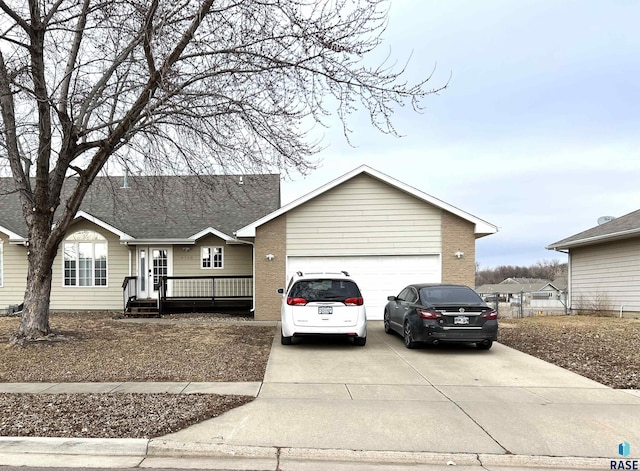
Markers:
<point>142,308</point>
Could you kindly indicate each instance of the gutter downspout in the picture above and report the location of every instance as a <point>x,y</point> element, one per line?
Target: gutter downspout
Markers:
<point>253,270</point>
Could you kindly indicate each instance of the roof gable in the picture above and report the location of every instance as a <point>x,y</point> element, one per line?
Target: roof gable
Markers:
<point>104,225</point>
<point>482,228</point>
<point>9,233</point>
<point>624,227</point>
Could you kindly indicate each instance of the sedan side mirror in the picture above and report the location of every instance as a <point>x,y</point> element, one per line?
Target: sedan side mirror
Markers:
<point>280,290</point>
<point>391,298</point>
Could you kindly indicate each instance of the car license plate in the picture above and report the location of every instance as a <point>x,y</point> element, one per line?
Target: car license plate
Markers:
<point>323,310</point>
<point>461,320</point>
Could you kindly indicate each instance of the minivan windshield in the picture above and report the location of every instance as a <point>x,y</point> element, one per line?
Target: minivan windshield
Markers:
<point>324,290</point>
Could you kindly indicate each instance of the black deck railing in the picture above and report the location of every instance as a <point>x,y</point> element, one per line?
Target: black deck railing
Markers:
<point>205,291</point>
<point>129,290</point>
<point>205,288</point>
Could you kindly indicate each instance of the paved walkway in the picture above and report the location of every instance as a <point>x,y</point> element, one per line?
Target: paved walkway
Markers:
<point>330,405</point>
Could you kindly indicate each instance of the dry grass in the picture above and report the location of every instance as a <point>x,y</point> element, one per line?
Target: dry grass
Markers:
<point>95,347</point>
<point>98,348</point>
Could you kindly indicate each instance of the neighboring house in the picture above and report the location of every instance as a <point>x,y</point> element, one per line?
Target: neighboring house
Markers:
<point>604,266</point>
<point>512,289</point>
<point>551,295</point>
<point>159,238</point>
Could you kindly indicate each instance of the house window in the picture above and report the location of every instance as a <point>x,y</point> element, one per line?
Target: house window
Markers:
<point>212,257</point>
<point>85,259</point>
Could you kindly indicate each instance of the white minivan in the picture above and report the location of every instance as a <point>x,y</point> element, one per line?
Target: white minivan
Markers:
<point>323,304</point>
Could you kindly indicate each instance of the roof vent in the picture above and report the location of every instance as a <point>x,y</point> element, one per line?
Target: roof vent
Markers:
<point>241,181</point>
<point>605,219</point>
<point>125,180</point>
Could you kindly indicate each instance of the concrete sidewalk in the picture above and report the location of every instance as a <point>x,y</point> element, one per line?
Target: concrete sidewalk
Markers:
<point>242,389</point>
<point>330,405</point>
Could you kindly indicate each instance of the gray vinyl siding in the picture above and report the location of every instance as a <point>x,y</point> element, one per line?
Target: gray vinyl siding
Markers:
<point>606,274</point>
<point>364,216</point>
<point>237,259</point>
<point>14,273</point>
<point>92,297</point>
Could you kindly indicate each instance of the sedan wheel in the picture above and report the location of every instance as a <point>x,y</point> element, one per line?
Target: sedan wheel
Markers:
<point>387,322</point>
<point>408,336</point>
<point>486,345</point>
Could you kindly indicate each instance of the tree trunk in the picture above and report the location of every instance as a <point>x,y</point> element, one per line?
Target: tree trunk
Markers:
<point>35,314</point>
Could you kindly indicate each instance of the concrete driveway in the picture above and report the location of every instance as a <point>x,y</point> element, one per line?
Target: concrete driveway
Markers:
<point>321,394</point>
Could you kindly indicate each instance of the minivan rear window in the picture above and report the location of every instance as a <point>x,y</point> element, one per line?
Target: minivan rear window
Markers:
<point>324,290</point>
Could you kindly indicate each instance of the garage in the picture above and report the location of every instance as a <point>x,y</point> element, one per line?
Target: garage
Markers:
<point>385,233</point>
<point>378,276</point>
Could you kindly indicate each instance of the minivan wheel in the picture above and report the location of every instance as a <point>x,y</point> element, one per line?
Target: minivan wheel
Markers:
<point>285,340</point>
<point>360,341</point>
<point>387,323</point>
<point>484,345</point>
<point>408,335</point>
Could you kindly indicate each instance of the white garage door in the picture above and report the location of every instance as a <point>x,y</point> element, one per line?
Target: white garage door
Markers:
<point>377,276</point>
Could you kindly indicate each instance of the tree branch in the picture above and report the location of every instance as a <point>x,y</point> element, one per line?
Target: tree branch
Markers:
<point>15,17</point>
<point>11,137</point>
<point>148,33</point>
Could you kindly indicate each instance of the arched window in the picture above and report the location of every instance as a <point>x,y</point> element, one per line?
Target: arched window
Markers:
<point>85,259</point>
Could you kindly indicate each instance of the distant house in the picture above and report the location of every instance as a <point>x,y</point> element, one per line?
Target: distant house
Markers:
<point>551,295</point>
<point>512,289</point>
<point>604,266</point>
<point>157,242</point>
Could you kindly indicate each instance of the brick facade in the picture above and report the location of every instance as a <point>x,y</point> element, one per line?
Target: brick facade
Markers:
<point>270,274</point>
<point>458,236</point>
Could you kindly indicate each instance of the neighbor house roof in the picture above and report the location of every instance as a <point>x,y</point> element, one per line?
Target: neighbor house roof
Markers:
<point>512,287</point>
<point>523,281</point>
<point>624,227</point>
<point>174,209</point>
<point>482,228</point>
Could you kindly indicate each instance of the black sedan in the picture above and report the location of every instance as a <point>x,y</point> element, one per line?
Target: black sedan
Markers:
<point>434,313</point>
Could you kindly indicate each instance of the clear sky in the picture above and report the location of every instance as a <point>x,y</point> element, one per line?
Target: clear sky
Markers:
<point>538,131</point>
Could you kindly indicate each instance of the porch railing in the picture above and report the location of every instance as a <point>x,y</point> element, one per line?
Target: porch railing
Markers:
<point>129,290</point>
<point>193,288</point>
<point>205,288</point>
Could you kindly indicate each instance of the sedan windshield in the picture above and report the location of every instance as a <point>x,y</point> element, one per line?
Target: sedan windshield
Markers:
<point>434,295</point>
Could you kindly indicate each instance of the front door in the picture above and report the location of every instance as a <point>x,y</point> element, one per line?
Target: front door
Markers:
<point>153,263</point>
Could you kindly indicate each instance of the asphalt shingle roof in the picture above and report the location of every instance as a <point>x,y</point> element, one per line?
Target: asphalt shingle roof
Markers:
<point>166,207</point>
<point>622,227</point>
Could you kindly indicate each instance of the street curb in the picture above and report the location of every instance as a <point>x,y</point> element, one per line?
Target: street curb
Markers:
<point>551,462</point>
<point>146,449</point>
<point>168,448</point>
<point>75,446</point>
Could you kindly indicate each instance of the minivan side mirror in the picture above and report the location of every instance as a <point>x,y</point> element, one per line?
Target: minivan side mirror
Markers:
<point>280,290</point>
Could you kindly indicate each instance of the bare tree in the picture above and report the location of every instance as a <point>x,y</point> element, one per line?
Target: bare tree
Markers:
<point>183,86</point>
<point>543,269</point>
